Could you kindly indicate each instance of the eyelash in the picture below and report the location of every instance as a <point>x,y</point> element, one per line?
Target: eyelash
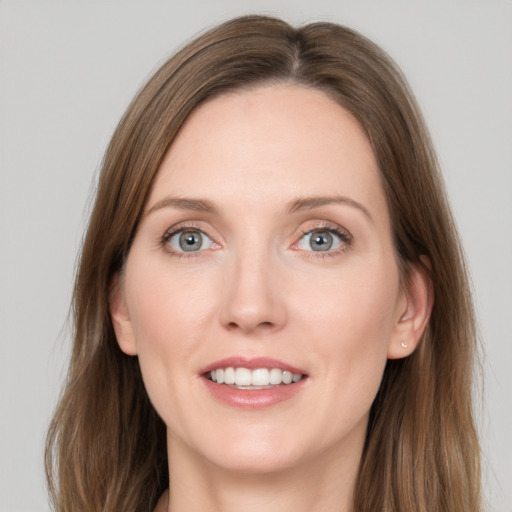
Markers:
<point>175,230</point>
<point>344,236</point>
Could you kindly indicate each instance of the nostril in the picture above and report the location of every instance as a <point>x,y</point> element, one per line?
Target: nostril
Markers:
<point>261,325</point>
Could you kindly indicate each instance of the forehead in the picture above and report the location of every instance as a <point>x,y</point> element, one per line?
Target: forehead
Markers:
<point>269,143</point>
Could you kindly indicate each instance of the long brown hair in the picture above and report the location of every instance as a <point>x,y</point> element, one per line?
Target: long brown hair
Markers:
<point>106,445</point>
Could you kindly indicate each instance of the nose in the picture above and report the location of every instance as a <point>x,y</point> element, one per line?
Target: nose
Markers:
<point>253,299</point>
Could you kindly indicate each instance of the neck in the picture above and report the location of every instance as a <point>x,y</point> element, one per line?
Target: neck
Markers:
<point>323,484</point>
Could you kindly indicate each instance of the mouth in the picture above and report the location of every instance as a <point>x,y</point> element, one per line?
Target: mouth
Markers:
<point>259,378</point>
<point>253,383</point>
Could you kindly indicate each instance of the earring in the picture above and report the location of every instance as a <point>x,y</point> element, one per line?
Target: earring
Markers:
<point>404,345</point>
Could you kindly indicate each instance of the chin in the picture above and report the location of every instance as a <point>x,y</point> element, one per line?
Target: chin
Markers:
<point>260,460</point>
<point>254,450</point>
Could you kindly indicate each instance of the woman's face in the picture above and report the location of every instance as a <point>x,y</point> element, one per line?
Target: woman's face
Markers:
<point>264,254</point>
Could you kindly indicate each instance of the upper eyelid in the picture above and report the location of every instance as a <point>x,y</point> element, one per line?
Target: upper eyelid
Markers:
<point>327,226</point>
<point>185,226</point>
<point>314,225</point>
<point>343,235</point>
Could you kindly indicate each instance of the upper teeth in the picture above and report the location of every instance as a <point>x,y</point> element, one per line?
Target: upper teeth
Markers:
<point>258,377</point>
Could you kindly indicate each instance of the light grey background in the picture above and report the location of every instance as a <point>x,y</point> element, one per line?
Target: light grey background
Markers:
<point>68,70</point>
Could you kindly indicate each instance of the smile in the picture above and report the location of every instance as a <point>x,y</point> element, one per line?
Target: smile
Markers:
<point>259,378</point>
<point>253,383</point>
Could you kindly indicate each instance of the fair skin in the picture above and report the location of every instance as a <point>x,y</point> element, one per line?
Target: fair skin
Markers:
<point>266,235</point>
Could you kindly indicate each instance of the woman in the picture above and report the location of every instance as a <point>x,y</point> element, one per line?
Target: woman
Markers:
<point>271,307</point>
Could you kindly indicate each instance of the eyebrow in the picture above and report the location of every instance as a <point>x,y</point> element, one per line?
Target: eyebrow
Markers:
<point>308,203</point>
<point>180,203</point>
<point>297,205</point>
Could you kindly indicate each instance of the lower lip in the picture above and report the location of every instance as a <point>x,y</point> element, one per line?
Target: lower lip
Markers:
<point>253,398</point>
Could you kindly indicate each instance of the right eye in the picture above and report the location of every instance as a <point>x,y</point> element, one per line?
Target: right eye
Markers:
<point>189,241</point>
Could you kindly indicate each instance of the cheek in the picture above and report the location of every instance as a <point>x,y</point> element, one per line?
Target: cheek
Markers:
<point>352,318</point>
<point>356,305</point>
<point>165,312</point>
<point>166,307</point>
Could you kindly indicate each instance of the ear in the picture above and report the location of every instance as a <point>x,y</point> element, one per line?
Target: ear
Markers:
<point>121,317</point>
<point>413,313</point>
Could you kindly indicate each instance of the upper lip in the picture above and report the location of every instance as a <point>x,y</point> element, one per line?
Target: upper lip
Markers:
<point>251,363</point>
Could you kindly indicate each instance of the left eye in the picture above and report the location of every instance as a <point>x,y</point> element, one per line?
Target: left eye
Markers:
<point>189,241</point>
<point>320,241</point>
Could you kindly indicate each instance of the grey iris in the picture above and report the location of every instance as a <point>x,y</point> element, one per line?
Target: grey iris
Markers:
<point>190,241</point>
<point>321,241</point>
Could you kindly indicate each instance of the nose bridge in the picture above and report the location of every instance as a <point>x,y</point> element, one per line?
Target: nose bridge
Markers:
<point>252,297</point>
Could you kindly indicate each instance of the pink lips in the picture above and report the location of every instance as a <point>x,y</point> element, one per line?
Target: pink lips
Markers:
<point>252,398</point>
<point>251,364</point>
